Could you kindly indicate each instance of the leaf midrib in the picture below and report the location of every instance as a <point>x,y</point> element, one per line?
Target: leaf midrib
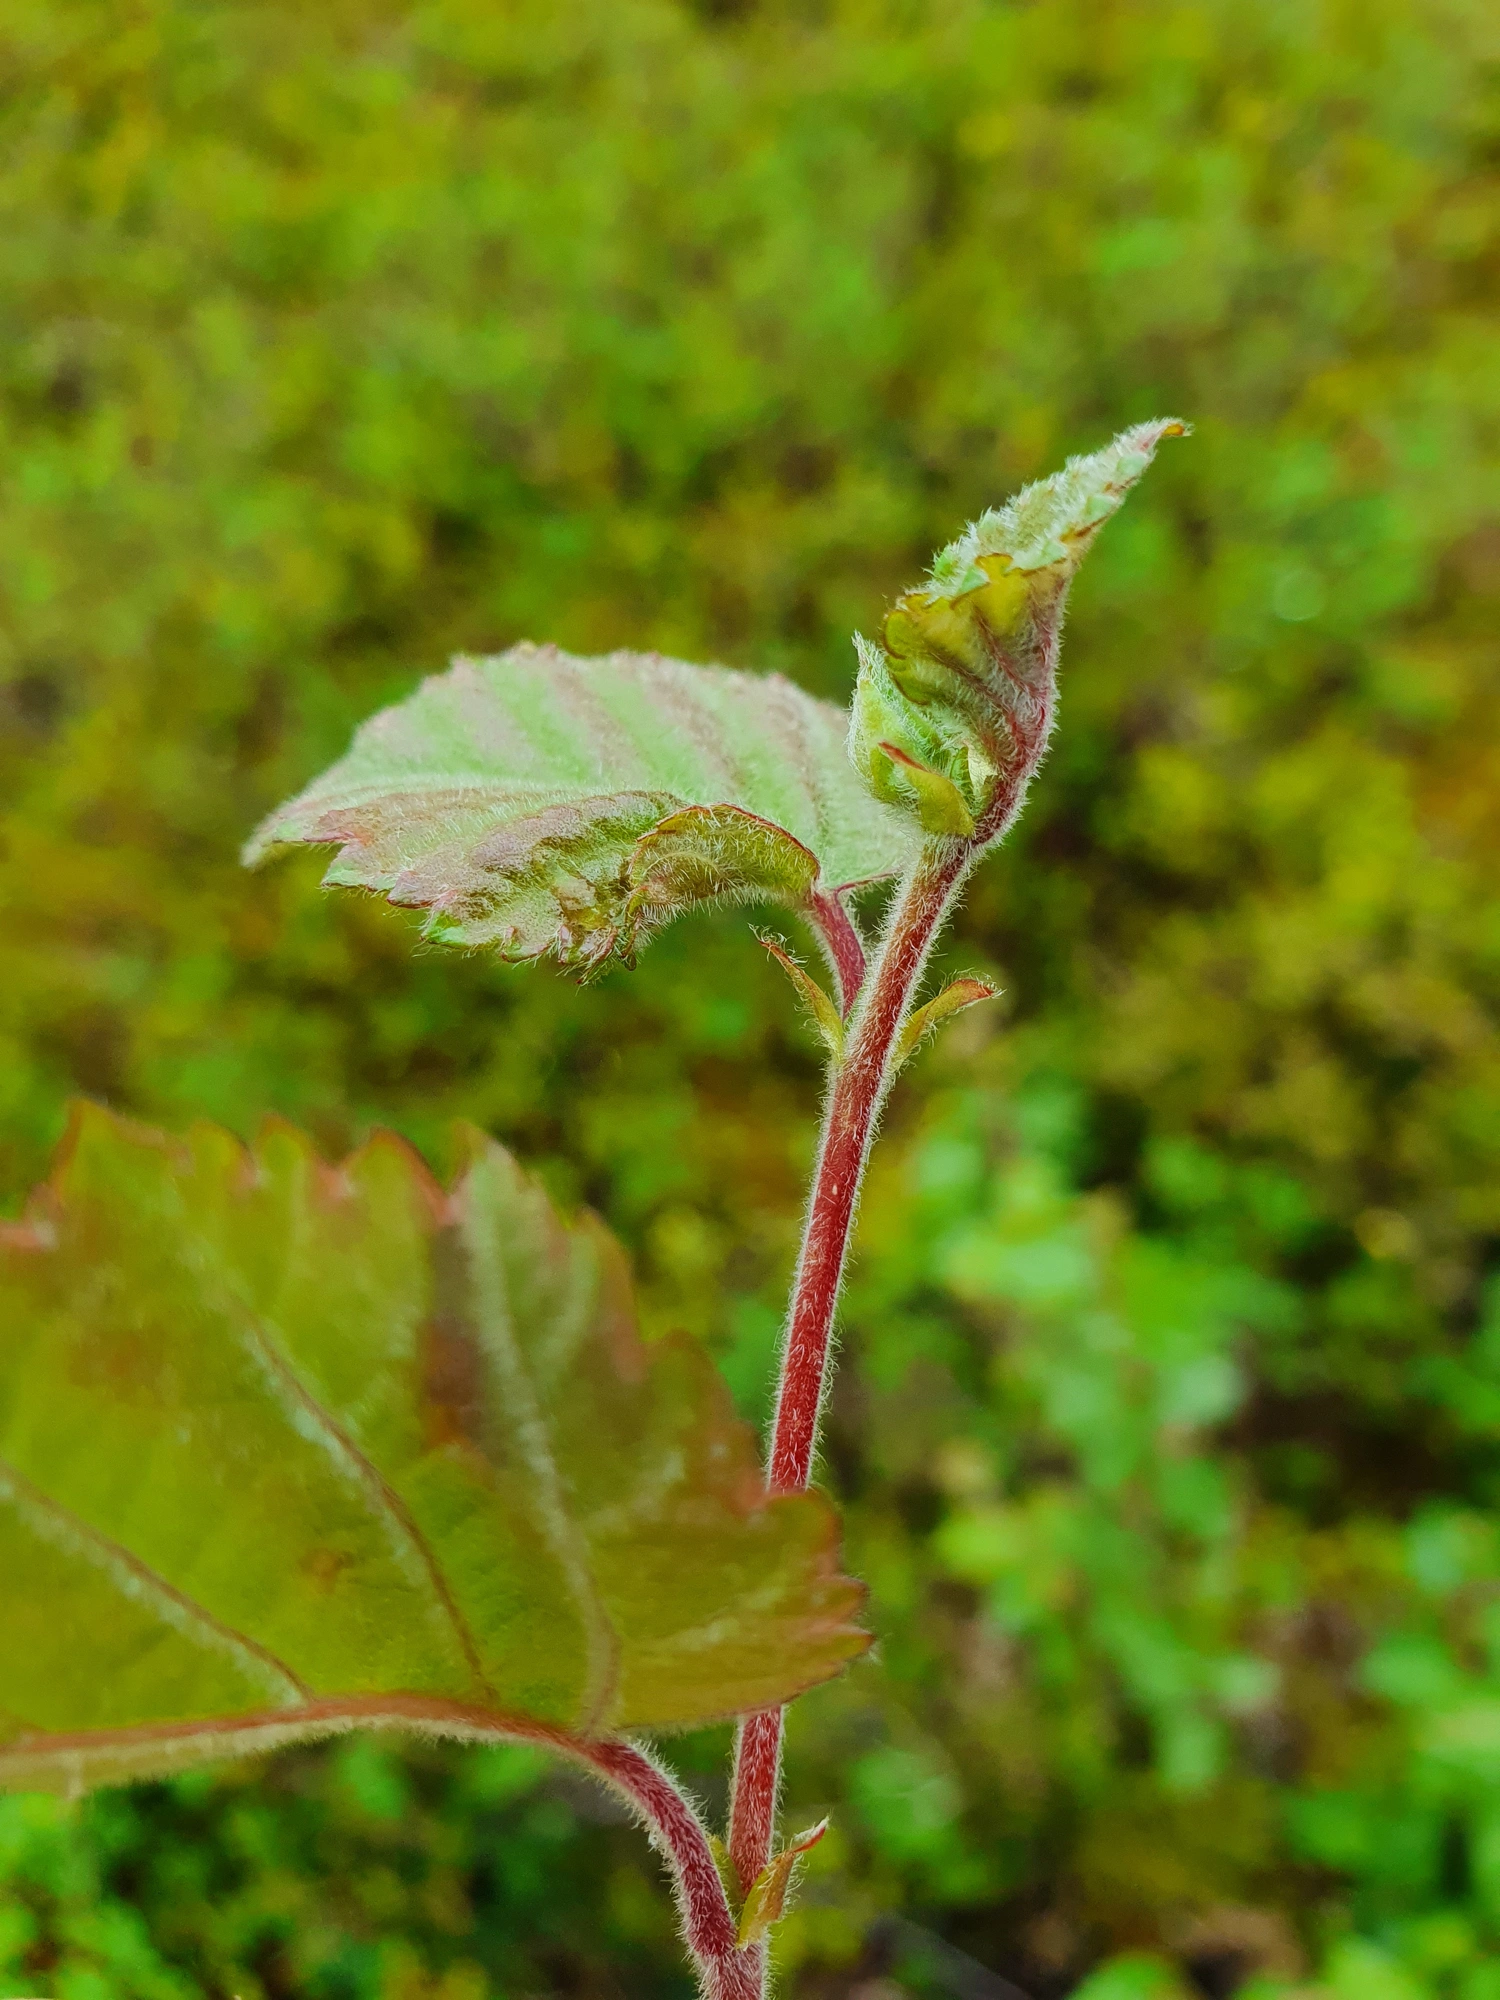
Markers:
<point>383,1492</point>
<point>528,1427</point>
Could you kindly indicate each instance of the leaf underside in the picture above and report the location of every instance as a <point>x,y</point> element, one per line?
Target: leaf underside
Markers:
<point>521,800</point>
<point>286,1449</point>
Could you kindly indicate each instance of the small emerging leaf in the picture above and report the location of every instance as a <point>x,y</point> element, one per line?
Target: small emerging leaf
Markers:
<point>939,803</point>
<point>285,1449</point>
<point>961,690</point>
<point>537,803</point>
<point>953,999</point>
<point>815,999</point>
<point>766,1903</point>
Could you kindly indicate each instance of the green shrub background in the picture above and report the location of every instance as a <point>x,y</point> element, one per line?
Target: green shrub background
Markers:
<point>335,338</point>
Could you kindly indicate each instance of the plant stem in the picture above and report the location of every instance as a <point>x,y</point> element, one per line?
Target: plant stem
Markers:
<point>708,1924</point>
<point>841,944</point>
<point>857,1092</point>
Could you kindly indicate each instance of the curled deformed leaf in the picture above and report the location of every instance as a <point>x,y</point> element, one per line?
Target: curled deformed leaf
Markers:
<point>817,1001</point>
<point>286,1449</point>
<point>766,1903</point>
<point>715,854</point>
<point>961,690</point>
<point>925,1020</point>
<point>538,803</point>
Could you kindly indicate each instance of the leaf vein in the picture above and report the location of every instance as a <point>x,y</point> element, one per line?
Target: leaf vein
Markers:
<point>529,1429</point>
<point>61,1523</point>
<point>386,1496</point>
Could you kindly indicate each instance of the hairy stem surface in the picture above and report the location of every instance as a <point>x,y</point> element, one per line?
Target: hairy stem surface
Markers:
<point>841,945</point>
<point>857,1091</point>
<point>708,1924</point>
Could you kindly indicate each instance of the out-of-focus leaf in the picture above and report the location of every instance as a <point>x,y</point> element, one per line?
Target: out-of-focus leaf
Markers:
<point>1134,1975</point>
<point>286,1449</point>
<point>540,803</point>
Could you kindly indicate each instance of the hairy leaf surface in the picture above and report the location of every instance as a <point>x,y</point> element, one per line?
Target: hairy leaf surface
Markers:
<point>285,1448</point>
<point>519,800</point>
<point>953,708</point>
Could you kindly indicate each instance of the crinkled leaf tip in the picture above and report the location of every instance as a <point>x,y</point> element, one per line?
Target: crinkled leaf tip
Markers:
<point>953,709</point>
<point>1045,522</point>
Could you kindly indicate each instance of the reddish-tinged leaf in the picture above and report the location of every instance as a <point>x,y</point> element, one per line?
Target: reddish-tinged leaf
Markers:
<point>286,1449</point>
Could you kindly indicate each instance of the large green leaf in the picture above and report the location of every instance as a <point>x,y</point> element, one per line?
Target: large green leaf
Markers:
<point>285,1448</point>
<point>540,803</point>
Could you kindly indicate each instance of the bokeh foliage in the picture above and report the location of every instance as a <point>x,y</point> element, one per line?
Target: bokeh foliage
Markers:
<point>336,339</point>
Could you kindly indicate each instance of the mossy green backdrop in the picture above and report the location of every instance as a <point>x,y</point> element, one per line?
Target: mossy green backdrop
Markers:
<point>335,338</point>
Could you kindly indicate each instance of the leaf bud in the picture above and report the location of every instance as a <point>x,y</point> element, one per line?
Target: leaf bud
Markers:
<point>952,710</point>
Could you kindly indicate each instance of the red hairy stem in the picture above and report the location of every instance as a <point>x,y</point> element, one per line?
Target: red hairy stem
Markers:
<point>755,1793</point>
<point>858,1090</point>
<point>841,944</point>
<point>708,1924</point>
<point>707,1921</point>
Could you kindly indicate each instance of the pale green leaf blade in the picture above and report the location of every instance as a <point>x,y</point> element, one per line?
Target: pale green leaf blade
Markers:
<point>285,1448</point>
<point>507,797</point>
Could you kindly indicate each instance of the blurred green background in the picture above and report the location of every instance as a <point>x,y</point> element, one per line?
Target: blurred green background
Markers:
<point>334,338</point>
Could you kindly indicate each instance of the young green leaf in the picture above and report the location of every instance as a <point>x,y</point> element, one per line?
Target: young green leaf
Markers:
<point>952,710</point>
<point>766,1903</point>
<point>286,1449</point>
<point>814,998</point>
<point>939,804</point>
<point>540,803</point>
<point>954,999</point>
<point>728,1875</point>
